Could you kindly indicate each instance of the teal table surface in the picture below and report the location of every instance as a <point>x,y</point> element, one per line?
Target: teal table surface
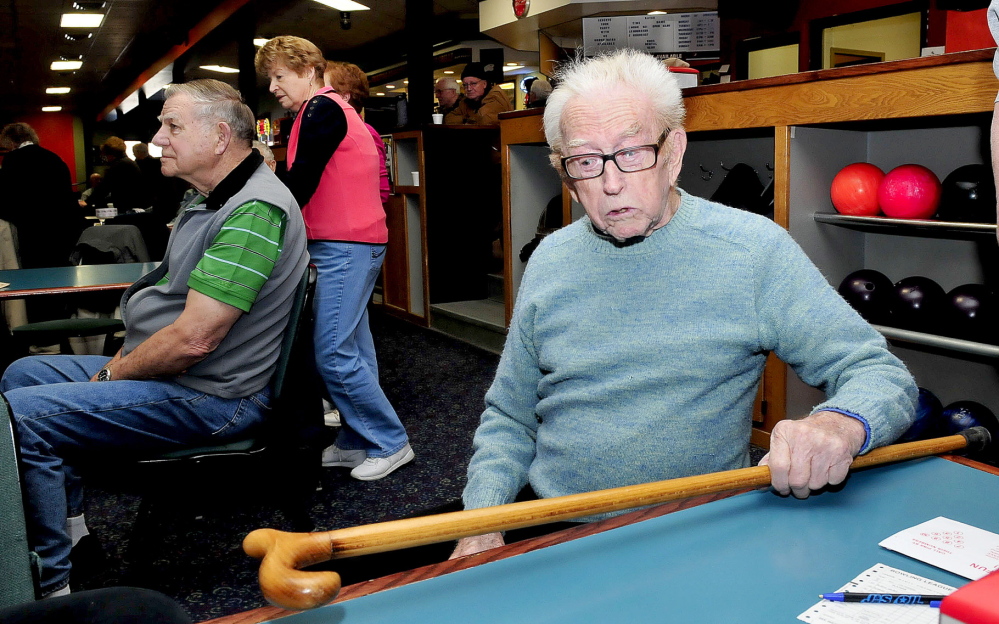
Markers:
<point>755,557</point>
<point>90,277</point>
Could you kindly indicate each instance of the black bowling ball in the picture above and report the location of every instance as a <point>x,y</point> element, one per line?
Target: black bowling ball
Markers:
<point>968,194</point>
<point>961,415</point>
<point>870,293</point>
<point>971,313</point>
<point>918,304</point>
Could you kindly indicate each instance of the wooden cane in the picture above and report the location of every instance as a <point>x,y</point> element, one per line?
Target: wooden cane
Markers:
<point>285,585</point>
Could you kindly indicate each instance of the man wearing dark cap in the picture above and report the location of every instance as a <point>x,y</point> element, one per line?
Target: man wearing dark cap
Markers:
<point>483,101</point>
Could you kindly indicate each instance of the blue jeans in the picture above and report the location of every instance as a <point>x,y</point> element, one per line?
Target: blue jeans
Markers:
<point>63,420</point>
<point>345,351</point>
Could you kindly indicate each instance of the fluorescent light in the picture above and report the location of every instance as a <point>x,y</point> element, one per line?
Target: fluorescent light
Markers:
<point>57,90</point>
<point>66,65</point>
<point>390,86</point>
<point>656,13</point>
<point>222,69</point>
<point>506,85</point>
<point>344,5</point>
<point>129,102</point>
<point>161,79</point>
<point>51,109</point>
<point>405,82</point>
<point>260,42</point>
<point>81,20</point>
<point>448,71</point>
<point>380,94</point>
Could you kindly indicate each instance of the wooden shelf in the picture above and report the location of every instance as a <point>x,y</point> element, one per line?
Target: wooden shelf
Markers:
<point>909,227</point>
<point>941,342</point>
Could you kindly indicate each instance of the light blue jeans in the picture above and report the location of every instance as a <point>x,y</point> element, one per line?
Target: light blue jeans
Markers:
<point>345,351</point>
<point>63,420</point>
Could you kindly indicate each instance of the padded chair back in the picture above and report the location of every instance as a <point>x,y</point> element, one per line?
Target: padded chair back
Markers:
<point>17,584</point>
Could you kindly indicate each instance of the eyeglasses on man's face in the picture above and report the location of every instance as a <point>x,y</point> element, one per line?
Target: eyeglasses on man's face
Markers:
<point>471,84</point>
<point>440,91</point>
<point>628,160</point>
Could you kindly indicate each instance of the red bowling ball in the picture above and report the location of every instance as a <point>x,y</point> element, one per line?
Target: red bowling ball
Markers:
<point>909,192</point>
<point>854,190</point>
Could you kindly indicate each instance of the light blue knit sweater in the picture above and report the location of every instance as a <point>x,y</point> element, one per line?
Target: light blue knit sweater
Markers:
<point>626,365</point>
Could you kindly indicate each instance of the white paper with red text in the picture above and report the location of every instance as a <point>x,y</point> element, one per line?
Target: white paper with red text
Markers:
<point>954,546</point>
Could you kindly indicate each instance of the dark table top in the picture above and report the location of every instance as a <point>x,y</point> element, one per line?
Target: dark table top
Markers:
<point>60,280</point>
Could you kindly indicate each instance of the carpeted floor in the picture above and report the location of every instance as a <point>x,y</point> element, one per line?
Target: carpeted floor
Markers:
<point>436,384</point>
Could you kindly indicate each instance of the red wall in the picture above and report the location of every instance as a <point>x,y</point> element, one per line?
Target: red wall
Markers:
<point>55,133</point>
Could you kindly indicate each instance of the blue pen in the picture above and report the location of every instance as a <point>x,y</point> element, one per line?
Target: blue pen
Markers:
<point>880,598</point>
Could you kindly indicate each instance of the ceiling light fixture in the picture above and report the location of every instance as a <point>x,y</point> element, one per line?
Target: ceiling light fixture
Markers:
<point>222,69</point>
<point>89,5</point>
<point>344,5</point>
<point>81,20</point>
<point>380,94</point>
<point>66,65</point>
<point>51,109</point>
<point>390,86</point>
<point>656,13</point>
<point>260,42</point>
<point>448,71</point>
<point>57,90</point>
<point>78,36</point>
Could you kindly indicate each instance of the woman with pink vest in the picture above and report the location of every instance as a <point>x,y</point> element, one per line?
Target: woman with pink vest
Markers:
<point>333,172</point>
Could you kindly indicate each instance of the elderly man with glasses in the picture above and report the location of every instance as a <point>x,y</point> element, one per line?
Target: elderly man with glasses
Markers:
<point>483,101</point>
<point>641,330</point>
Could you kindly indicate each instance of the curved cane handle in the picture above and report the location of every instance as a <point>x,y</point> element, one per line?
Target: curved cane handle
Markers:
<point>281,580</point>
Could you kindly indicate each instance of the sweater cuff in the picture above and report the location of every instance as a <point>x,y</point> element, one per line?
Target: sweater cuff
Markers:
<point>490,497</point>
<point>863,421</point>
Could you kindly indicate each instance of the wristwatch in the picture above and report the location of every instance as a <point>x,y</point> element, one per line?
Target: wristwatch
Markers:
<point>104,375</point>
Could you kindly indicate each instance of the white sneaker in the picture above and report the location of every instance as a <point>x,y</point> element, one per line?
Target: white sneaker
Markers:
<point>336,456</point>
<point>331,415</point>
<point>374,468</point>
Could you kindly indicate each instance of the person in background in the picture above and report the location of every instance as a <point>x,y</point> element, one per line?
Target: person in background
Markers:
<point>92,182</point>
<point>483,101</point>
<point>149,166</point>
<point>333,171</point>
<point>539,92</point>
<point>38,201</point>
<point>641,363</point>
<point>993,18</point>
<point>350,83</point>
<point>267,153</point>
<point>448,95</point>
<point>123,184</point>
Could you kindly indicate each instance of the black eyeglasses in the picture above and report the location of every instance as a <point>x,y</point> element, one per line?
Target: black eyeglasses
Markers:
<point>628,160</point>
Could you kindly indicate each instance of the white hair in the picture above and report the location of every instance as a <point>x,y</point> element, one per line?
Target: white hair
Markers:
<point>447,82</point>
<point>264,150</point>
<point>616,71</point>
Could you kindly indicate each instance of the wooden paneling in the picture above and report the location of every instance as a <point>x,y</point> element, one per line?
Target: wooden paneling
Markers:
<point>395,274</point>
<point>916,92</point>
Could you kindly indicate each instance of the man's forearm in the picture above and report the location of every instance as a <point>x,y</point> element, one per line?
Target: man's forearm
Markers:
<point>165,354</point>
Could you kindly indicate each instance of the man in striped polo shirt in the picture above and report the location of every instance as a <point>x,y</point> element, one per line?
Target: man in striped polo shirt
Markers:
<point>203,331</point>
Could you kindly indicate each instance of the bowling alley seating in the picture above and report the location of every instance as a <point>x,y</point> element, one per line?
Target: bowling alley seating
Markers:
<point>17,562</point>
<point>278,455</point>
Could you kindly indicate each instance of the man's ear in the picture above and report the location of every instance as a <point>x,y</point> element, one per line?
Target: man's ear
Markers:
<point>223,135</point>
<point>676,142</point>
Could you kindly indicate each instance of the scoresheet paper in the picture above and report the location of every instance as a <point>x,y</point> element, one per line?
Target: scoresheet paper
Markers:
<point>880,578</point>
<point>953,546</point>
